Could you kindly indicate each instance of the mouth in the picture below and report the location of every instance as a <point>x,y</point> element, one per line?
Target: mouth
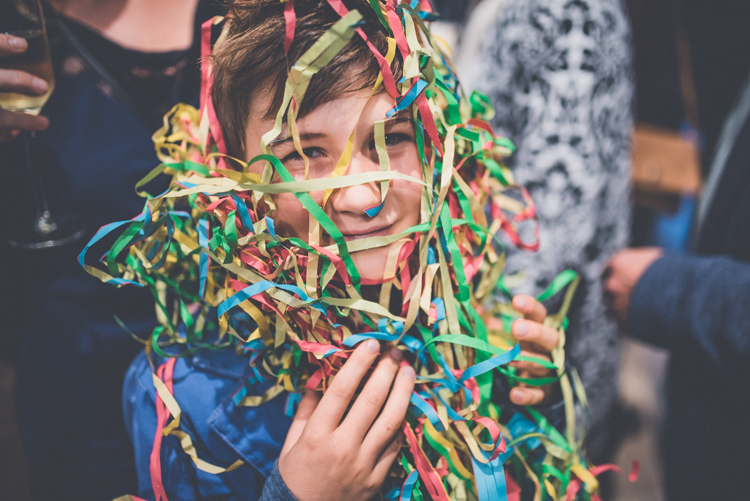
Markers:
<point>368,233</point>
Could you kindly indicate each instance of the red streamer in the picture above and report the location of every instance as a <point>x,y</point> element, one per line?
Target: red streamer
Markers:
<point>164,372</point>
<point>291,21</point>
<point>426,472</point>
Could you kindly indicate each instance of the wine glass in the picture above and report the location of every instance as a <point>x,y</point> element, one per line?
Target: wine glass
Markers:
<point>23,18</point>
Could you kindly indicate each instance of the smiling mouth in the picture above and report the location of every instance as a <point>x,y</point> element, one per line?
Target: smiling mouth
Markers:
<point>380,232</point>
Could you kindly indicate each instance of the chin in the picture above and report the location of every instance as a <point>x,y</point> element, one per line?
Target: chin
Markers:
<point>371,263</point>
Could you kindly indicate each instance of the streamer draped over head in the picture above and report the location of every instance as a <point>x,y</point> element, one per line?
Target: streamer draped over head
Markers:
<point>295,306</point>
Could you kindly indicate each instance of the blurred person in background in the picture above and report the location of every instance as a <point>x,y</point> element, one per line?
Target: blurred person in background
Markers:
<point>559,74</point>
<point>119,66</point>
<point>696,306</point>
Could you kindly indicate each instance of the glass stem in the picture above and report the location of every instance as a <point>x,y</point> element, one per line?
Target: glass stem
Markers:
<point>38,192</point>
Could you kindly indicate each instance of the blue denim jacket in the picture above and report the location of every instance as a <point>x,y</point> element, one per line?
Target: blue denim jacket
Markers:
<point>221,431</point>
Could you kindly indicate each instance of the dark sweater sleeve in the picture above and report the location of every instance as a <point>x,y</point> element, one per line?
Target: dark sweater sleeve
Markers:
<point>695,304</point>
<point>275,489</point>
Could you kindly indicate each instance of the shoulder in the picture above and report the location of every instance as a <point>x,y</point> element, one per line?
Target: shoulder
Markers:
<point>205,386</point>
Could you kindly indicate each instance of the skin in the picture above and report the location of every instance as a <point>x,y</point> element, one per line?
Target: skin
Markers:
<point>325,457</point>
<point>537,340</point>
<point>622,274</point>
<point>12,122</point>
<point>324,133</point>
<point>142,25</point>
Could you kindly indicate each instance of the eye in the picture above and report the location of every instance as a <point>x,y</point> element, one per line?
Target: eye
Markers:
<point>309,152</point>
<point>396,139</point>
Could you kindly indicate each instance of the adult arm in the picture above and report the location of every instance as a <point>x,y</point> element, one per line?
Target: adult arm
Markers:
<point>692,302</point>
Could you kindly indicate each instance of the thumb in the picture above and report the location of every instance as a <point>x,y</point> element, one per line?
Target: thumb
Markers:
<point>307,406</point>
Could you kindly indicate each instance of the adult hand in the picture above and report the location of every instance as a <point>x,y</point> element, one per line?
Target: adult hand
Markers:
<point>21,82</point>
<point>623,272</point>
<point>537,340</point>
<point>327,458</point>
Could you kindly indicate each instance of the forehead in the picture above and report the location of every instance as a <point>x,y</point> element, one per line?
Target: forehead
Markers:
<point>336,109</point>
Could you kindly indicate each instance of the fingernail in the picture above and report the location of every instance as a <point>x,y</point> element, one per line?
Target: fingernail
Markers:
<point>521,302</point>
<point>39,84</point>
<point>372,346</point>
<point>519,394</point>
<point>520,329</point>
<point>397,355</point>
<point>409,373</point>
<point>17,43</point>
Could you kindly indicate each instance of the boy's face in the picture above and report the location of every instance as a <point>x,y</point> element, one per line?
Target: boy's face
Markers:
<point>324,133</point>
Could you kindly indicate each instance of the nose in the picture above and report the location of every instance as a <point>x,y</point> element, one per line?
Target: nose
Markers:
<point>355,199</point>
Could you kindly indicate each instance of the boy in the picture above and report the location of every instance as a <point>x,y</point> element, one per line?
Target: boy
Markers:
<point>314,257</point>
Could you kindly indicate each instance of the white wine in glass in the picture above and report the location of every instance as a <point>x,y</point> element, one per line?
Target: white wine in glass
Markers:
<point>24,18</point>
<point>35,60</point>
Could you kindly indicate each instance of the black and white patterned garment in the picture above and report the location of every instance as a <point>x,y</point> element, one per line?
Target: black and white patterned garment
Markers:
<point>559,74</point>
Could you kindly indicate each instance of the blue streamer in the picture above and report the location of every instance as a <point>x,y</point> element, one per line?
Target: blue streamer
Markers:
<point>408,487</point>
<point>271,228</point>
<point>439,308</point>
<point>244,214</point>
<point>406,100</point>
<point>520,426</point>
<point>263,286</point>
<point>203,258</point>
<point>292,401</point>
<point>374,210</point>
<point>488,365</point>
<point>104,231</point>
<point>490,478</point>
<point>428,411</point>
<point>413,344</point>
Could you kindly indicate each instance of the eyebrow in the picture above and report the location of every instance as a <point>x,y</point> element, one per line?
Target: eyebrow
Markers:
<point>309,136</point>
<point>305,136</point>
<point>398,120</point>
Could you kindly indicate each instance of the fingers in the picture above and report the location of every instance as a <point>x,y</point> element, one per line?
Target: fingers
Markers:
<point>531,308</point>
<point>529,395</point>
<point>11,121</point>
<point>389,422</point>
<point>8,135</point>
<point>370,401</point>
<point>335,401</point>
<point>535,336</point>
<point>22,82</point>
<point>10,45</point>
<point>532,369</point>
<point>305,409</point>
<point>389,455</point>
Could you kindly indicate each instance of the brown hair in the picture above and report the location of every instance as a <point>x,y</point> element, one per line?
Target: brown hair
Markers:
<point>251,60</point>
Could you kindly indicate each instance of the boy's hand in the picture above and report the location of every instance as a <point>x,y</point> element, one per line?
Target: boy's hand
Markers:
<point>11,122</point>
<point>327,458</point>
<point>537,340</point>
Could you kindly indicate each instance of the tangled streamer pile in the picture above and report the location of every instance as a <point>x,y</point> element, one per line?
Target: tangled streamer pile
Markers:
<point>223,278</point>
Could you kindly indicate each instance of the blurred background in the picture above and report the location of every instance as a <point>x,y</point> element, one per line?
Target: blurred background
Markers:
<point>691,58</point>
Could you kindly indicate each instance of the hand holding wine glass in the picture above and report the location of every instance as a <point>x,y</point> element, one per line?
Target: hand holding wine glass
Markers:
<point>16,84</point>
<point>26,82</point>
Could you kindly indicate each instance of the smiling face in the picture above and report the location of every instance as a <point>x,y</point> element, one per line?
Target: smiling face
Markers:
<point>324,133</point>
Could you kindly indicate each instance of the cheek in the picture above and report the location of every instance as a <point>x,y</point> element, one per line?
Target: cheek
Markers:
<point>290,217</point>
<point>407,194</point>
<point>407,198</point>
